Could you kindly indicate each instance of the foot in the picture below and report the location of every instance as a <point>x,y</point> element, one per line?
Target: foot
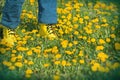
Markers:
<point>7,36</point>
<point>47,31</point>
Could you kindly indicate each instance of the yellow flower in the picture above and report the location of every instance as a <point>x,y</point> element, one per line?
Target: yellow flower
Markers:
<point>81,61</point>
<point>63,63</point>
<point>115,65</point>
<point>6,63</point>
<point>13,59</point>
<point>58,56</point>
<point>102,56</point>
<point>18,64</point>
<point>93,40</point>
<point>27,75</point>
<point>55,49</point>
<point>64,43</point>
<point>29,52</point>
<point>86,17</point>
<point>57,62</point>
<point>94,68</point>
<point>68,52</point>
<point>112,36</point>
<point>75,42</point>
<point>76,33</point>
<point>101,41</point>
<point>30,62</point>
<point>99,47</point>
<point>108,40</point>
<point>70,44</point>
<point>14,51</point>
<point>80,53</point>
<point>74,60</point>
<point>46,65</point>
<point>117,46</point>
<point>28,71</point>
<point>11,67</point>
<point>56,77</point>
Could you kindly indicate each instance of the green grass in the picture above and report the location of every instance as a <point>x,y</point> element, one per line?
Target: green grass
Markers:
<point>85,49</point>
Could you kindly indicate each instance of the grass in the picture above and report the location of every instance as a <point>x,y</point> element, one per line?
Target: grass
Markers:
<point>88,47</point>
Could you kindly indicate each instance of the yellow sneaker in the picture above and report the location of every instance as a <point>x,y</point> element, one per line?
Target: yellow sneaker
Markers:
<point>7,36</point>
<point>47,31</point>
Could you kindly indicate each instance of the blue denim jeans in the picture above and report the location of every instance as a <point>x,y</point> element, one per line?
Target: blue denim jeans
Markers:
<point>11,12</point>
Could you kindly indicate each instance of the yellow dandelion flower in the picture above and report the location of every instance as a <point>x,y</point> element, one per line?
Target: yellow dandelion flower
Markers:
<point>80,53</point>
<point>6,63</point>
<point>86,17</point>
<point>70,44</point>
<point>108,40</point>
<point>13,59</point>
<point>11,67</point>
<point>57,62</point>
<point>68,52</point>
<point>99,47</point>
<point>28,71</point>
<point>75,42</point>
<point>112,35</point>
<point>27,75</point>
<point>64,43</point>
<point>46,65</point>
<point>93,40</point>
<point>81,61</point>
<point>102,56</point>
<point>57,56</point>
<point>56,77</point>
<point>117,46</point>
<point>18,64</point>
<point>29,53</point>
<point>101,41</point>
<point>14,51</point>
<point>55,49</point>
<point>30,62</point>
<point>63,63</point>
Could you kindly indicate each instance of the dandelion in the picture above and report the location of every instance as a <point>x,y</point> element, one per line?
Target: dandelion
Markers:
<point>80,53</point>
<point>11,67</point>
<point>56,62</point>
<point>112,36</point>
<point>102,56</point>
<point>117,46</point>
<point>81,61</point>
<point>30,62</point>
<point>57,56</point>
<point>93,40</point>
<point>56,77</point>
<point>18,64</point>
<point>14,51</point>
<point>64,43</point>
<point>108,40</point>
<point>99,47</point>
<point>46,65</point>
<point>29,53</point>
<point>13,59</point>
<point>63,63</point>
<point>101,41</point>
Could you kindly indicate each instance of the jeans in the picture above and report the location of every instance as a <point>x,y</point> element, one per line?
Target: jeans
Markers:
<point>47,13</point>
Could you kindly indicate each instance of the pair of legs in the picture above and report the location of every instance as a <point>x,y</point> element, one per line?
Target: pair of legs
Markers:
<point>47,14</point>
<point>11,13</point>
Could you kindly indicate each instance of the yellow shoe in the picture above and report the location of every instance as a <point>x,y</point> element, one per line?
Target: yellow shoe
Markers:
<point>7,36</point>
<point>46,31</point>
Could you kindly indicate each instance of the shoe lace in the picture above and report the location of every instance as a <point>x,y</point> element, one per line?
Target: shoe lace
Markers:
<point>51,28</point>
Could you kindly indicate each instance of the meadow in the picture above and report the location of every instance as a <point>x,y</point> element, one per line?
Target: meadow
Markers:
<point>87,47</point>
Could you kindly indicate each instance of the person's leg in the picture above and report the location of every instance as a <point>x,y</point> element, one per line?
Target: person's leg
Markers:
<point>47,15</point>
<point>47,11</point>
<point>10,20</point>
<point>11,13</point>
